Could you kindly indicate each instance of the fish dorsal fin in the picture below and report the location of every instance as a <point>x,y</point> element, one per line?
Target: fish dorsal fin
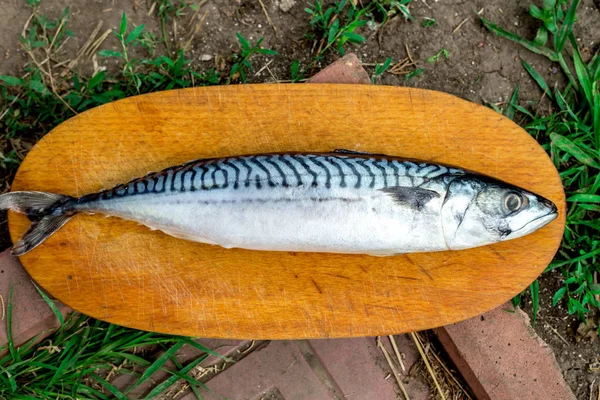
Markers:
<point>413,197</point>
<point>344,151</point>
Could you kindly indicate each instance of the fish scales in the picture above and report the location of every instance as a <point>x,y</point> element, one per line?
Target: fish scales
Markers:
<point>280,171</point>
<point>253,190</point>
<point>321,202</point>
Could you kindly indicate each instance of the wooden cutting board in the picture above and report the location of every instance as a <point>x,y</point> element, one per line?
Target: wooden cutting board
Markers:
<point>121,272</point>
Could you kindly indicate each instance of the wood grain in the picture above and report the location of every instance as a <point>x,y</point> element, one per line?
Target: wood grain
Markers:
<point>124,273</point>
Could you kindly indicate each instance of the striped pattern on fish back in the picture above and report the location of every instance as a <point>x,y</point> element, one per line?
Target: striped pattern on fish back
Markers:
<point>280,170</point>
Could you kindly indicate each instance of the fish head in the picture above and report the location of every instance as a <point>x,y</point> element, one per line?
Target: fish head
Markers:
<point>479,210</point>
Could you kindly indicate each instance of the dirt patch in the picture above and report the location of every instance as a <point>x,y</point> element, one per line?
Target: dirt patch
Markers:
<point>481,67</point>
<point>577,355</point>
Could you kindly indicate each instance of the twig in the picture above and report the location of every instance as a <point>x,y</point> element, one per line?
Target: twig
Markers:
<point>558,334</point>
<point>57,51</point>
<point>94,46</point>
<point>8,107</point>
<point>408,54</point>
<point>393,341</point>
<point>391,364</point>
<point>322,42</point>
<point>83,48</point>
<point>275,79</point>
<point>115,368</point>
<point>62,22</point>
<point>249,347</point>
<point>151,8</point>
<point>200,4</point>
<point>49,74</point>
<point>267,15</point>
<point>2,301</point>
<point>175,30</point>
<point>197,28</point>
<point>592,389</point>
<point>263,68</point>
<point>464,21</point>
<point>24,32</point>
<point>440,362</point>
<point>17,148</point>
<point>426,361</point>
<point>398,68</point>
<point>185,386</point>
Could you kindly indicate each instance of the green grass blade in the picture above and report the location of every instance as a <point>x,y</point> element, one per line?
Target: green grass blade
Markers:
<point>131,357</point>
<point>537,78</point>
<point>111,388</point>
<point>91,393</point>
<point>123,25</point>
<point>7,382</point>
<point>585,198</point>
<point>158,389</point>
<point>552,55</point>
<point>560,293</point>
<point>50,303</point>
<point>205,349</point>
<point>192,381</point>
<point>510,110</point>
<point>11,344</point>
<point>567,27</point>
<point>516,301</point>
<point>570,147</point>
<point>156,365</point>
<point>595,67</point>
<point>554,265</point>
<point>564,105</point>
<point>523,111</point>
<point>414,73</point>
<point>69,356</point>
<point>534,288</point>
<point>583,75</point>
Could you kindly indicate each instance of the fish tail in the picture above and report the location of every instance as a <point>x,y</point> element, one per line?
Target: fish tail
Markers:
<point>47,212</point>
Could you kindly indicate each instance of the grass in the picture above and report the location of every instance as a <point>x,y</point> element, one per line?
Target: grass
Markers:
<point>80,359</point>
<point>50,92</point>
<point>571,136</point>
<point>335,26</point>
<point>83,355</point>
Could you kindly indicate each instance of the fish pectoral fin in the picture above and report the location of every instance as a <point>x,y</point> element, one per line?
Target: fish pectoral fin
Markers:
<point>413,197</point>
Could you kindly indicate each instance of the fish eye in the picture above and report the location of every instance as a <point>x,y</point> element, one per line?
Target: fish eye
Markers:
<point>514,201</point>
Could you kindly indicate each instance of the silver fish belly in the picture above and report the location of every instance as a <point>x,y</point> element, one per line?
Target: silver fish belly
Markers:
<point>339,203</point>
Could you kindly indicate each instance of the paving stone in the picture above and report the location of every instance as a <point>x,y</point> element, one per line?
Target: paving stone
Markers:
<point>347,69</point>
<point>315,369</point>
<point>501,357</point>
<point>233,350</point>
<point>31,315</point>
<point>357,365</point>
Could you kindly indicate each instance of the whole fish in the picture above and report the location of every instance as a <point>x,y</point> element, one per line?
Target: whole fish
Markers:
<point>340,202</point>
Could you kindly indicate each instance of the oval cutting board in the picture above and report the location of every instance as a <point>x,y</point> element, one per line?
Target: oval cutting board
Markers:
<point>121,272</point>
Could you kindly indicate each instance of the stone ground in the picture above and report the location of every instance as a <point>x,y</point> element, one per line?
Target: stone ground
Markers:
<point>481,68</point>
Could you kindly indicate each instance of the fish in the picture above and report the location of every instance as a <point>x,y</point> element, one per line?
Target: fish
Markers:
<point>338,202</point>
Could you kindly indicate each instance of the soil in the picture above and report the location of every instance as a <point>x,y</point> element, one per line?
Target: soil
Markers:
<point>481,67</point>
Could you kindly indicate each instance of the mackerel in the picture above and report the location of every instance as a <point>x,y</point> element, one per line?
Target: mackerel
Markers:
<point>341,202</point>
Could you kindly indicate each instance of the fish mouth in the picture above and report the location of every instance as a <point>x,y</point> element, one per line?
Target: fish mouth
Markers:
<point>538,222</point>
